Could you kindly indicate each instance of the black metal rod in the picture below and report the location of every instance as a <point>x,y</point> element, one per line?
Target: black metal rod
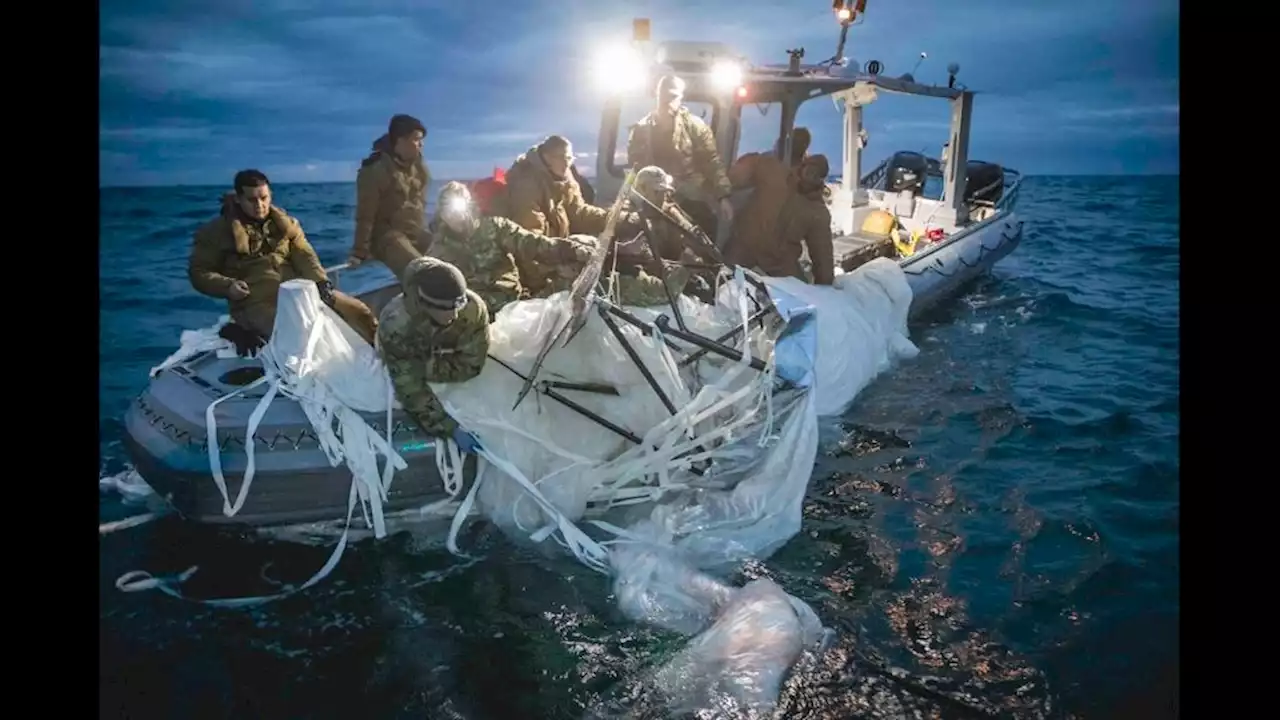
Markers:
<point>702,246</point>
<point>635,358</point>
<point>693,357</point>
<point>605,308</point>
<point>664,324</point>
<point>635,322</point>
<point>598,388</point>
<point>576,407</point>
<point>625,316</point>
<point>662,274</point>
<point>594,417</point>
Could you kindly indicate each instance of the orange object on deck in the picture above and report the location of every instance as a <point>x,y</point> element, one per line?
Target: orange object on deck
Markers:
<point>484,192</point>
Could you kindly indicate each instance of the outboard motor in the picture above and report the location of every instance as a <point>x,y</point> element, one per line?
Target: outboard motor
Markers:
<point>984,183</point>
<point>907,171</point>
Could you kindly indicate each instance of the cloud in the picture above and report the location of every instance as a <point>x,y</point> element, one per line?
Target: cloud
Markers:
<point>193,91</point>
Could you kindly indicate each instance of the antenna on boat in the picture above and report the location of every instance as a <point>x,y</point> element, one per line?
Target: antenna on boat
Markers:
<point>923,56</point>
<point>793,66</point>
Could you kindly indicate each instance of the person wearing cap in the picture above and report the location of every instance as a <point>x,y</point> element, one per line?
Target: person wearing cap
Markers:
<point>244,254</point>
<point>435,331</point>
<point>490,251</point>
<point>391,198</point>
<point>680,143</point>
<point>656,191</point>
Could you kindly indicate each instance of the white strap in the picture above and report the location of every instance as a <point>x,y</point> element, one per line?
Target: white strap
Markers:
<point>139,580</point>
<point>215,452</point>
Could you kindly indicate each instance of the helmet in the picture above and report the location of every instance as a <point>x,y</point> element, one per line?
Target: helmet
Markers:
<point>653,184</point>
<point>456,208</point>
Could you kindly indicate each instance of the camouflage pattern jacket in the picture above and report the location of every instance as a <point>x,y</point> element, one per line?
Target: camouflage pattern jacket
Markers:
<point>263,255</point>
<point>699,174</point>
<point>418,352</point>
<point>391,196</point>
<point>491,256</point>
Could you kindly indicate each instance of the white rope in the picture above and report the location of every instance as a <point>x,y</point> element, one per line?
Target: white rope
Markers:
<point>140,580</point>
<point>129,522</point>
<point>295,377</point>
<point>656,457</point>
<point>194,342</point>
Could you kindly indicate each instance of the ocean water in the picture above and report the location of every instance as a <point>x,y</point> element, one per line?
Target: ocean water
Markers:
<point>994,532</point>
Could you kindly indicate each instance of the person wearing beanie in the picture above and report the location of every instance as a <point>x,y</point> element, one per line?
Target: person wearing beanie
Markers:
<point>435,331</point>
<point>391,198</point>
<point>784,211</point>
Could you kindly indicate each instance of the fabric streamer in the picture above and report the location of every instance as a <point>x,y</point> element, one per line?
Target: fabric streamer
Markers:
<point>656,517</point>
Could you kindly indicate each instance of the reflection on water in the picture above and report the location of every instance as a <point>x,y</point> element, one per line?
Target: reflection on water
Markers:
<point>992,532</point>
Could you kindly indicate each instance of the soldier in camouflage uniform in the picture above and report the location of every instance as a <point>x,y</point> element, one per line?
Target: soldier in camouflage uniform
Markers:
<point>391,198</point>
<point>655,185</point>
<point>491,251</point>
<point>246,252</point>
<point>675,140</point>
<point>436,331</point>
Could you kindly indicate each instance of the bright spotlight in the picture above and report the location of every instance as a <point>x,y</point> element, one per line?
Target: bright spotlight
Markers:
<point>726,75</point>
<point>620,69</point>
<point>458,204</point>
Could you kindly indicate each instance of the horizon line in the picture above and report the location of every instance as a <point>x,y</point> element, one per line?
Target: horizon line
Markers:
<point>443,179</point>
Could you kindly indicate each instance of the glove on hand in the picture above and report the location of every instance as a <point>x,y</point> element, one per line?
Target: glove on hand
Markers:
<point>465,441</point>
<point>326,292</point>
<point>247,342</point>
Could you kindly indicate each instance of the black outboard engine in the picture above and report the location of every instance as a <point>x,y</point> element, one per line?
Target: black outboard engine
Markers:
<point>907,171</point>
<point>984,183</point>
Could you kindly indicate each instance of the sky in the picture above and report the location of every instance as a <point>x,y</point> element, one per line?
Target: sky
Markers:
<point>192,92</point>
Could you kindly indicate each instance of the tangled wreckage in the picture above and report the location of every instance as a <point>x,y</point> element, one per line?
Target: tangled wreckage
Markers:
<point>201,432</point>
<point>658,445</point>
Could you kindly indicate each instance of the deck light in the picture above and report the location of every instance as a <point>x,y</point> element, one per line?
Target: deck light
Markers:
<point>620,69</point>
<point>726,75</point>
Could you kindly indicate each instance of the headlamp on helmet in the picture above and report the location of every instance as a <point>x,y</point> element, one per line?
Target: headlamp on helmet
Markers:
<point>455,206</point>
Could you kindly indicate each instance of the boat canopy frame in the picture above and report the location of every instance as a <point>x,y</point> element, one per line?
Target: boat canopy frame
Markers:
<point>790,86</point>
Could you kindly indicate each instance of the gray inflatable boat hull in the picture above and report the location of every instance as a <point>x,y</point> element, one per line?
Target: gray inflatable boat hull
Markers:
<point>293,482</point>
<point>942,270</point>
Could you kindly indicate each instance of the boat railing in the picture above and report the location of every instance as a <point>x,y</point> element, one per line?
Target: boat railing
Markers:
<point>872,179</point>
<point>1011,178</point>
<point>1011,187</point>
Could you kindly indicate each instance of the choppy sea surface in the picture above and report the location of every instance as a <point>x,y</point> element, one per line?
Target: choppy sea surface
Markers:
<point>993,533</point>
